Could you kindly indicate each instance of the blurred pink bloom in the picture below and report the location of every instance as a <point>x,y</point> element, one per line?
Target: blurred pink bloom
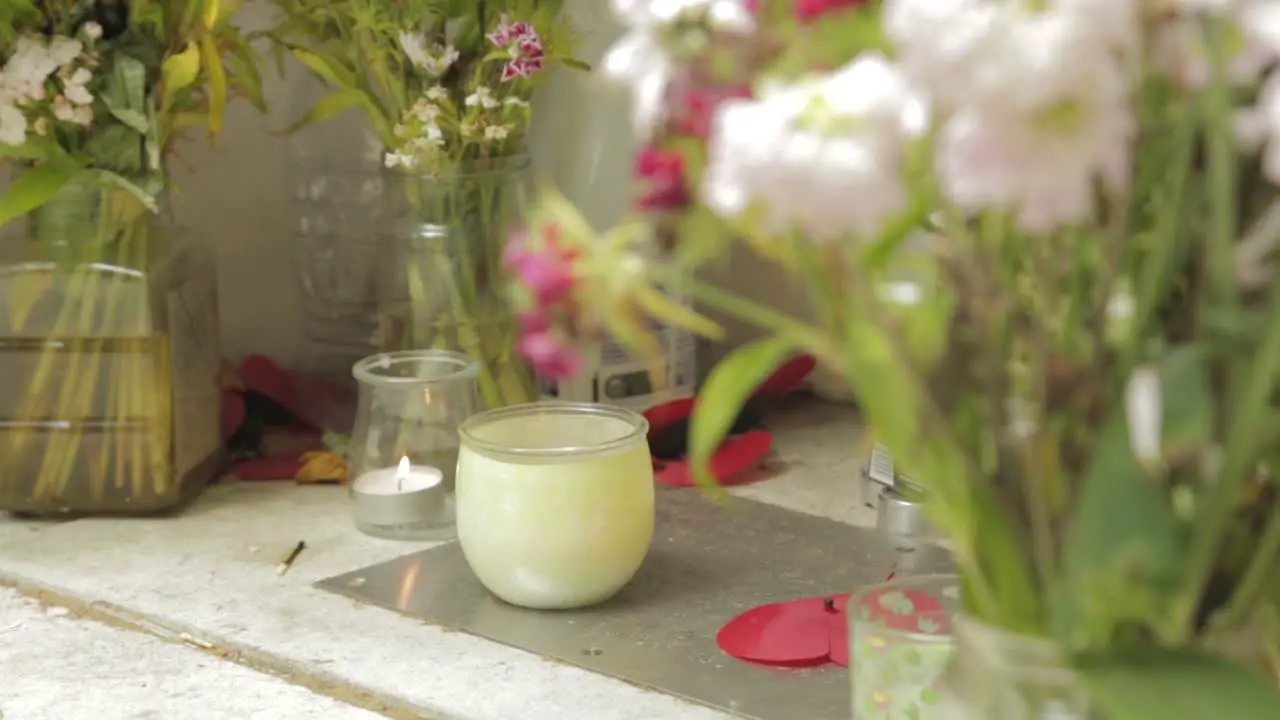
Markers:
<point>508,32</point>
<point>809,10</point>
<point>551,358</point>
<point>546,275</point>
<point>697,109</point>
<point>664,176</point>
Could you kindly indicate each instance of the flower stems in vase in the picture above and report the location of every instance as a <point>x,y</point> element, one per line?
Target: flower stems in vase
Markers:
<point>446,88</point>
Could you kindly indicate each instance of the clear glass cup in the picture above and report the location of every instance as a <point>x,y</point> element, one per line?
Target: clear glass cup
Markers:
<point>404,449</point>
<point>555,501</point>
<point>901,642</point>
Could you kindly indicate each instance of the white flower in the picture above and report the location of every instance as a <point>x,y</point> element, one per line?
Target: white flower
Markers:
<point>824,157</point>
<point>74,88</point>
<point>497,132</point>
<point>82,115</point>
<point>398,159</point>
<point>91,30</point>
<point>425,111</point>
<point>1041,165</point>
<point>431,57</point>
<point>437,93</point>
<point>639,61</point>
<point>414,46</point>
<point>482,97</point>
<point>64,50</point>
<point>970,51</point>
<point>514,101</point>
<point>63,109</point>
<point>13,125</point>
<point>1143,398</point>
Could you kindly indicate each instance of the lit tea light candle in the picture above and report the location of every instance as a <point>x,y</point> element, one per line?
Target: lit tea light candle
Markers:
<point>399,501</point>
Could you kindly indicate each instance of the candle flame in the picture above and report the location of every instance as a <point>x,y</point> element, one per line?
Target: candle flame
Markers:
<point>403,471</point>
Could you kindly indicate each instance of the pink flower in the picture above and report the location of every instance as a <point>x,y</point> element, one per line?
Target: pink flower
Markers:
<point>521,68</point>
<point>697,109</point>
<point>664,176</point>
<point>507,32</point>
<point>547,271</point>
<point>523,45</point>
<point>810,10</point>
<point>551,358</point>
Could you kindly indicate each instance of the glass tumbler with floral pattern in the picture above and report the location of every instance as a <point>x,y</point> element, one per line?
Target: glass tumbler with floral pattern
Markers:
<point>900,635</point>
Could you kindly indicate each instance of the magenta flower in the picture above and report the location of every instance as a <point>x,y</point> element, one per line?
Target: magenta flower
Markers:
<point>664,176</point>
<point>810,10</point>
<point>523,45</point>
<point>551,358</point>
<point>546,272</point>
<point>697,109</point>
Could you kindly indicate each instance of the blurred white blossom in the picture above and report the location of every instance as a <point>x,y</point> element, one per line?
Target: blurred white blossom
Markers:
<point>13,124</point>
<point>824,157</point>
<point>639,60</point>
<point>432,57</point>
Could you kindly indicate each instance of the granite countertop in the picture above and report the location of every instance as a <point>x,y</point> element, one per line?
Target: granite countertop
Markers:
<point>186,617</point>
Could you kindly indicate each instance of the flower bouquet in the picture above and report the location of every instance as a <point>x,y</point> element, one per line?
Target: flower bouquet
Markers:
<point>446,87</point>
<point>1039,240</point>
<point>108,318</point>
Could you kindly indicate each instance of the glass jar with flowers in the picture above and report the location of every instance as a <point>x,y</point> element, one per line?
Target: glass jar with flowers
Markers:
<point>109,387</point>
<point>446,90</point>
<point>1040,240</point>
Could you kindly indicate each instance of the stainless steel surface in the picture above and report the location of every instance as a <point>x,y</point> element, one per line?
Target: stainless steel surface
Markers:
<point>901,516</point>
<point>709,562</point>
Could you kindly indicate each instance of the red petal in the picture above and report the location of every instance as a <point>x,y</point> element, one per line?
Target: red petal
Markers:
<point>321,403</point>
<point>660,416</point>
<point>729,465</point>
<point>284,466</point>
<point>790,376</point>
<point>789,633</point>
<point>261,374</point>
<point>232,413</point>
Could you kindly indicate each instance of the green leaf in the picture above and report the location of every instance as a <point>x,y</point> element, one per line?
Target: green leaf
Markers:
<point>575,64</point>
<point>1175,684</point>
<point>125,94</point>
<point>327,107</point>
<point>726,390</point>
<point>35,187</point>
<point>146,197</point>
<point>1125,553</point>
<point>179,71</point>
<point>117,148</point>
<point>217,83</point>
<point>327,69</point>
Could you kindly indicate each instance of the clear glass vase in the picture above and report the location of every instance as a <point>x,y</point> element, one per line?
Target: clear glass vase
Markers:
<point>404,449</point>
<point>109,359</point>
<point>441,281</point>
<point>998,675</point>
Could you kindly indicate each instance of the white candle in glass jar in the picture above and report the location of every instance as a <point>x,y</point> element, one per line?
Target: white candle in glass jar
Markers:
<point>391,501</point>
<point>555,502</point>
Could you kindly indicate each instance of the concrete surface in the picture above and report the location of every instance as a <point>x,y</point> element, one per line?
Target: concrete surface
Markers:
<point>209,578</point>
<point>55,666</point>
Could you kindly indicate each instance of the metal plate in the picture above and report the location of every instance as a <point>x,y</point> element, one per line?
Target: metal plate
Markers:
<point>709,562</point>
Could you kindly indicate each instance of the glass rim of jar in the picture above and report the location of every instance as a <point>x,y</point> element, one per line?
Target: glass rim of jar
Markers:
<point>365,370</point>
<point>907,583</point>
<point>639,428</point>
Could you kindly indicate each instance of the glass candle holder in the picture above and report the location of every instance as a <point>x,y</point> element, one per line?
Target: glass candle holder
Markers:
<point>900,635</point>
<point>404,448</point>
<point>555,502</point>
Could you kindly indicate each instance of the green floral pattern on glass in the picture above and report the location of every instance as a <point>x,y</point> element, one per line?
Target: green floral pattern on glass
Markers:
<point>897,655</point>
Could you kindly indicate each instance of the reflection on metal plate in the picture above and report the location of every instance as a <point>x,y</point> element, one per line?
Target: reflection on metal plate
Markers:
<point>709,562</point>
